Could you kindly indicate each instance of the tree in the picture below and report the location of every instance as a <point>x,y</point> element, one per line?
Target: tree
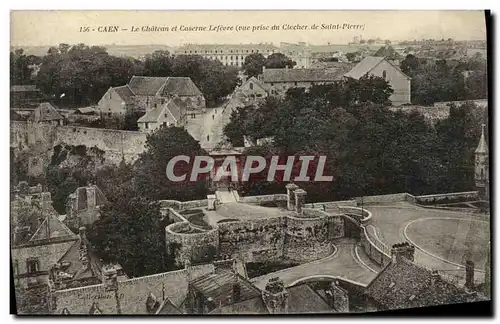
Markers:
<point>20,72</point>
<point>150,170</point>
<point>159,64</point>
<point>253,64</point>
<point>410,65</point>
<point>279,61</point>
<point>130,233</point>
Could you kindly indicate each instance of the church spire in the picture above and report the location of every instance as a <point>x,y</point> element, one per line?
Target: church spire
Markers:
<point>482,148</point>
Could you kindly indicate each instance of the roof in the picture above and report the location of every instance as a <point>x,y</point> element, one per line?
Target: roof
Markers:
<point>146,86</point>
<point>303,299</point>
<point>86,110</point>
<point>482,146</point>
<point>172,106</point>
<point>23,88</point>
<point>219,287</point>
<point>250,306</point>
<point>332,65</point>
<point>226,48</point>
<point>167,308</point>
<point>76,267</point>
<point>45,112</point>
<point>125,93</point>
<point>52,228</point>
<point>403,284</point>
<point>182,86</point>
<point>364,67</point>
<point>302,75</point>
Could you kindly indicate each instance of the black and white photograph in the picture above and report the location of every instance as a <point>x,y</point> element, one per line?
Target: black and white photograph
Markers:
<point>250,162</point>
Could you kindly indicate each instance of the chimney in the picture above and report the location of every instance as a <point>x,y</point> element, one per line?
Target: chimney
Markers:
<point>236,292</point>
<point>434,277</point>
<point>109,277</point>
<point>300,195</point>
<point>403,250</point>
<point>275,296</point>
<point>290,188</point>
<point>91,197</point>
<point>469,275</point>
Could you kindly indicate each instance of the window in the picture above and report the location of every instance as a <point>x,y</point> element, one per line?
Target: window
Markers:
<point>384,74</point>
<point>251,86</point>
<point>146,125</point>
<point>156,105</point>
<point>295,83</point>
<point>272,84</point>
<point>166,115</point>
<point>165,124</point>
<point>32,265</point>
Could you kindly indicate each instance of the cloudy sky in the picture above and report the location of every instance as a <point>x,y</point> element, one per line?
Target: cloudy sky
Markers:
<point>33,28</point>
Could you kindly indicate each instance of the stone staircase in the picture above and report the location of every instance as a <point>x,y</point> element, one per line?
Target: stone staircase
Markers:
<point>225,197</point>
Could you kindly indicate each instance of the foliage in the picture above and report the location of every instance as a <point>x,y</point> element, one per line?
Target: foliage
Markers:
<point>150,170</point>
<point>253,64</point>
<point>129,232</point>
<point>20,72</point>
<point>342,122</point>
<point>279,61</point>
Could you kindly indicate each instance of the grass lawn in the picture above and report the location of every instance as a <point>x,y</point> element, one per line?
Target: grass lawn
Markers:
<point>452,239</point>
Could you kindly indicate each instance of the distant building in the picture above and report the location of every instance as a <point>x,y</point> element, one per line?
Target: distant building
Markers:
<point>299,53</point>
<point>143,94</point>
<point>47,114</point>
<point>227,54</point>
<point>251,89</point>
<point>378,66</point>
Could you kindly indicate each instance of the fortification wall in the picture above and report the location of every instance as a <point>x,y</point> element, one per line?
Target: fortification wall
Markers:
<point>330,204</point>
<point>258,240</point>
<point>374,252</point>
<point>116,144</point>
<point>447,197</point>
<point>381,199</point>
<point>306,239</point>
<point>193,244</point>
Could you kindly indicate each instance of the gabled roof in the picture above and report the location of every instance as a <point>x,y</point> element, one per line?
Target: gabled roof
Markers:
<point>125,93</point>
<point>168,308</point>
<point>303,75</point>
<point>256,81</point>
<point>146,86</point>
<point>86,110</point>
<point>403,284</point>
<point>181,86</point>
<point>170,107</point>
<point>76,266</point>
<point>52,228</point>
<point>45,112</point>
<point>364,67</point>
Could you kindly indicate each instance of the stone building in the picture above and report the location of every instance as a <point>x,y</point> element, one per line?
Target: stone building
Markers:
<point>278,81</point>
<point>227,54</point>
<point>482,167</point>
<point>46,113</point>
<point>378,66</point>
<point>250,90</point>
<point>33,259</point>
<point>143,94</point>
<point>117,101</point>
<point>83,206</point>
<point>171,113</point>
<point>404,284</point>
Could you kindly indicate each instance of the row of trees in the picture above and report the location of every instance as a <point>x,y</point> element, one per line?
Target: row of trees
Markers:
<point>446,81</point>
<point>254,63</point>
<point>369,148</point>
<point>84,73</point>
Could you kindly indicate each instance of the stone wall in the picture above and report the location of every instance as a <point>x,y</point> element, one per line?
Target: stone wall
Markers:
<point>374,252</point>
<point>444,198</point>
<point>482,103</point>
<point>263,198</point>
<point>381,199</point>
<point>258,240</point>
<point>330,204</point>
<point>307,239</point>
<point>193,244</point>
<point>116,144</point>
<point>132,293</point>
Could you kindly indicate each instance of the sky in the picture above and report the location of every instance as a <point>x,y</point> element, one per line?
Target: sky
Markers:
<point>40,28</point>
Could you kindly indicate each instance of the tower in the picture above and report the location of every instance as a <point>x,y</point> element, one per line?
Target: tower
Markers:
<point>481,167</point>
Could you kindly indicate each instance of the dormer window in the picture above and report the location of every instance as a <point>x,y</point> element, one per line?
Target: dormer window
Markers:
<point>384,74</point>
